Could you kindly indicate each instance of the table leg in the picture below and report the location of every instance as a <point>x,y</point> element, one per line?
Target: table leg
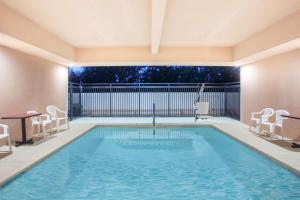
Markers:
<point>24,140</point>
<point>23,125</point>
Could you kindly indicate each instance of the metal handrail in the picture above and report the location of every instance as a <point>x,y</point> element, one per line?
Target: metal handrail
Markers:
<point>123,87</point>
<point>153,84</point>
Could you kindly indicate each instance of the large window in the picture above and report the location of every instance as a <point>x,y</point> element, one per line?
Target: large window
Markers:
<point>132,91</point>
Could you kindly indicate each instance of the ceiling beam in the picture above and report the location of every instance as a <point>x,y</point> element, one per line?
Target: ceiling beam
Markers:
<point>20,28</point>
<point>157,20</point>
<point>167,55</point>
<point>279,38</point>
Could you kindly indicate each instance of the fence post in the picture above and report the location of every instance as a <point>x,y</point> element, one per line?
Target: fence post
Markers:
<point>153,112</point>
<point>239,102</point>
<point>225,102</point>
<point>71,100</point>
<point>168,100</point>
<point>80,104</point>
<point>110,100</point>
<point>139,99</point>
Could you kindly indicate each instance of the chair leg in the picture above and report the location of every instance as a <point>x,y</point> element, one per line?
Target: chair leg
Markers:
<point>258,128</point>
<point>39,129</point>
<point>282,136</point>
<point>32,130</point>
<point>51,128</point>
<point>272,131</point>
<point>57,126</point>
<point>44,130</point>
<point>9,144</point>
<point>250,123</point>
<point>271,135</point>
<point>68,123</point>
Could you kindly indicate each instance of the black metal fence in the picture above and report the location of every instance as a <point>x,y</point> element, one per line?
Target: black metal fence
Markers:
<point>134,100</point>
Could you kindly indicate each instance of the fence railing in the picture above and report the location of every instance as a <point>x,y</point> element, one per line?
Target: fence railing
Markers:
<point>134,100</point>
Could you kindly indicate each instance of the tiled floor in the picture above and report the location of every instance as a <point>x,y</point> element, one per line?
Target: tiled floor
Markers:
<point>26,156</point>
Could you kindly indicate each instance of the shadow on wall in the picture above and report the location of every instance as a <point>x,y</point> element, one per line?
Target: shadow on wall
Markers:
<point>29,83</point>
<point>273,82</point>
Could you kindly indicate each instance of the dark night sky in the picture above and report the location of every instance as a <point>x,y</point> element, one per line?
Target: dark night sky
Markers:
<point>154,74</point>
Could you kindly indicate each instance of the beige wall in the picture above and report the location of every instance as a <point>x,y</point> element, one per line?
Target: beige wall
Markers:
<point>273,82</point>
<point>29,83</point>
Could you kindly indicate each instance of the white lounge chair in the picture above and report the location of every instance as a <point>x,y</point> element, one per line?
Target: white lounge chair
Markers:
<point>201,109</point>
<point>278,123</point>
<point>5,135</point>
<point>57,116</point>
<point>260,117</point>
<point>38,122</point>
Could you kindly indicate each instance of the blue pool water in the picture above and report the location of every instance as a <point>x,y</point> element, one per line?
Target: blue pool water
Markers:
<point>138,164</point>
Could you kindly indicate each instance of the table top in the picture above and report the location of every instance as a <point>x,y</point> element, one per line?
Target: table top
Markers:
<point>21,116</point>
<point>291,116</point>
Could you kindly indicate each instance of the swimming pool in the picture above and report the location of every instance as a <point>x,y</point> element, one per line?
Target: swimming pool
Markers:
<point>165,163</point>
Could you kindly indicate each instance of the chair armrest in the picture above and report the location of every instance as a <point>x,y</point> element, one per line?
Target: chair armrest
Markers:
<point>44,116</point>
<point>5,128</point>
<point>63,112</point>
<point>256,113</point>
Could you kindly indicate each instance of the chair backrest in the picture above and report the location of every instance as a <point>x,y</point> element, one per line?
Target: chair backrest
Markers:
<point>52,110</point>
<point>279,118</point>
<point>4,129</point>
<point>33,119</point>
<point>267,112</point>
<point>202,108</point>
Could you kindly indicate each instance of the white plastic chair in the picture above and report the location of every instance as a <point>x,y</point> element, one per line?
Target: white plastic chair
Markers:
<point>58,116</point>
<point>278,123</point>
<point>260,117</point>
<point>5,135</point>
<point>40,121</point>
<point>202,109</point>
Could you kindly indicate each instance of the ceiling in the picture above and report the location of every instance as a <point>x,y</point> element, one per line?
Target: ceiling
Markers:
<point>127,23</point>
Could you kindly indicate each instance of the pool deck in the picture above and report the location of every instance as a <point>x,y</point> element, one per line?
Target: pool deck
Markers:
<point>24,157</point>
